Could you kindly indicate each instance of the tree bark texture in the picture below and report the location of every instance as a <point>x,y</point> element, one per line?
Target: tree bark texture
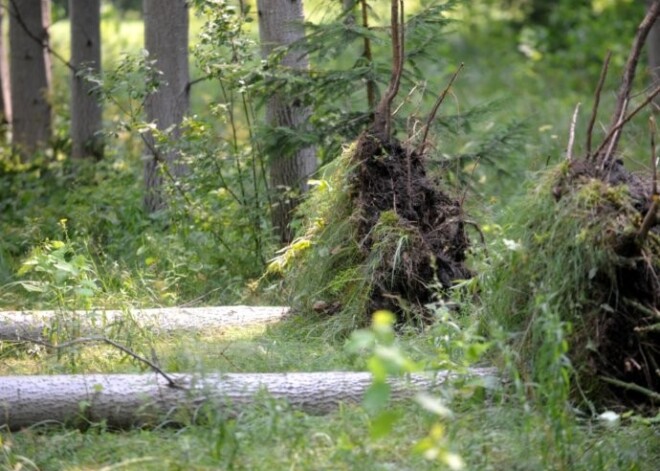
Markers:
<point>281,24</point>
<point>86,111</point>
<point>30,75</point>
<point>653,49</point>
<point>124,400</point>
<point>166,39</point>
<point>16,325</point>
<point>5,96</point>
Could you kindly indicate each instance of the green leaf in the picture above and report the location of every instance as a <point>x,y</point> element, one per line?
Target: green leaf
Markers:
<point>383,424</point>
<point>377,396</point>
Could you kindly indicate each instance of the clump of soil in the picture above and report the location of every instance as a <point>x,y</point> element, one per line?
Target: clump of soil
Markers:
<point>378,233</point>
<point>623,331</point>
<point>581,280</point>
<point>430,240</point>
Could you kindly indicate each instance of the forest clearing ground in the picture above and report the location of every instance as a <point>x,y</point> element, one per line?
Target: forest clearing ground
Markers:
<point>496,434</point>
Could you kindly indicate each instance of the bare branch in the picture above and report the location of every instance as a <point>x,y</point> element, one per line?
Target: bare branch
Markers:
<point>629,73</point>
<point>436,106</point>
<point>42,41</point>
<point>371,85</point>
<point>594,111</point>
<point>571,134</point>
<point>382,115</point>
<point>128,351</point>
<point>622,122</point>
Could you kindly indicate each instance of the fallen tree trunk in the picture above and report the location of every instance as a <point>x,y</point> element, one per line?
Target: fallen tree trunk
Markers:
<point>16,325</point>
<point>124,400</point>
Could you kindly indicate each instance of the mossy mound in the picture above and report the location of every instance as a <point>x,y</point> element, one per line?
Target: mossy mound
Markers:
<point>378,234</point>
<point>578,271</point>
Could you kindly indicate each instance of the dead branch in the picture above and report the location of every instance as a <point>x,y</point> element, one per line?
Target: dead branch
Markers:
<point>117,345</point>
<point>594,111</point>
<point>622,122</point>
<point>434,110</point>
<point>371,85</point>
<point>43,42</point>
<point>571,134</point>
<point>382,115</point>
<point>630,69</point>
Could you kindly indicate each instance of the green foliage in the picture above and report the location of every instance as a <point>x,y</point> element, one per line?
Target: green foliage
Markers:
<point>541,299</point>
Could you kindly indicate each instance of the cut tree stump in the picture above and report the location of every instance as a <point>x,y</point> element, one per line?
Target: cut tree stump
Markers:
<point>17,325</point>
<point>125,400</point>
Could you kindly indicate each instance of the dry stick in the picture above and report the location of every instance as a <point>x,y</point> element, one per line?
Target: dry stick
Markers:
<point>594,111</point>
<point>632,387</point>
<point>654,160</point>
<point>629,74</point>
<point>382,115</point>
<point>371,85</point>
<point>650,218</point>
<point>623,121</point>
<point>435,108</point>
<point>117,345</point>
<point>571,134</point>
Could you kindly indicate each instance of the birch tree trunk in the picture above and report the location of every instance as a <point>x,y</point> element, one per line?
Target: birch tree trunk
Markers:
<point>16,325</point>
<point>281,24</point>
<point>5,97</point>
<point>123,400</point>
<point>30,75</point>
<point>653,48</point>
<point>86,111</point>
<point>166,39</point>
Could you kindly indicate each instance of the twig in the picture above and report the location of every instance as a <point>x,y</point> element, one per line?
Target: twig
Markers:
<point>623,122</point>
<point>171,382</point>
<point>650,218</point>
<point>632,387</point>
<point>594,111</point>
<point>629,71</point>
<point>43,42</point>
<point>435,108</point>
<point>654,159</point>
<point>196,81</point>
<point>382,115</point>
<point>571,134</point>
<point>371,85</point>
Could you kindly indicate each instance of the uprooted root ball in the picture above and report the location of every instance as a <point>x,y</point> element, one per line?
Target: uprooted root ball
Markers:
<point>576,264</point>
<point>379,234</point>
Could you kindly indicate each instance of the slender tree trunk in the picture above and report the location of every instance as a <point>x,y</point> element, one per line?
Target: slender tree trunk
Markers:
<point>124,400</point>
<point>166,39</point>
<point>18,326</point>
<point>30,75</point>
<point>86,111</point>
<point>653,48</point>
<point>5,97</point>
<point>280,24</point>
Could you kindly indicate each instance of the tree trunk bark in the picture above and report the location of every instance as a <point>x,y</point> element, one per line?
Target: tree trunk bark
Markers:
<point>30,75</point>
<point>35,325</point>
<point>124,400</point>
<point>5,96</point>
<point>653,48</point>
<point>86,111</point>
<point>166,39</point>
<point>281,24</point>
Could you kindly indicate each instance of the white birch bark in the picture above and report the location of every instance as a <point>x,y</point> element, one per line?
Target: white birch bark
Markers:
<point>281,24</point>
<point>166,39</point>
<point>86,111</point>
<point>5,94</point>
<point>147,399</point>
<point>30,75</point>
<point>15,325</point>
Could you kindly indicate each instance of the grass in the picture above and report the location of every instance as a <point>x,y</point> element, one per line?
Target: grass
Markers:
<point>136,264</point>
